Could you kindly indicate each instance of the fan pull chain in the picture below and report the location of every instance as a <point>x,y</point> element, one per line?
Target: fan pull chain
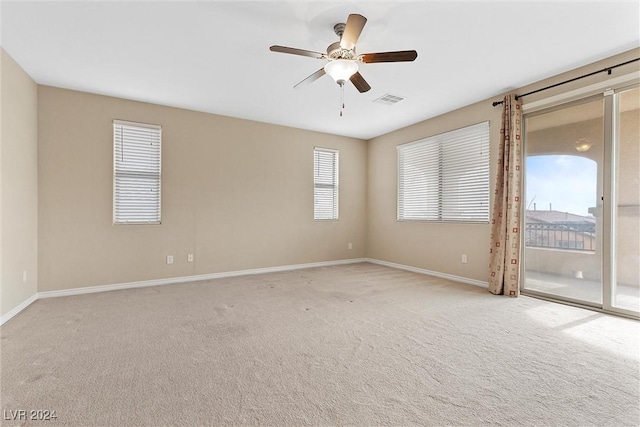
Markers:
<point>341,99</point>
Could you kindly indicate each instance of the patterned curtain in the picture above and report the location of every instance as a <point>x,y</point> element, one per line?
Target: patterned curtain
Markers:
<point>504,263</point>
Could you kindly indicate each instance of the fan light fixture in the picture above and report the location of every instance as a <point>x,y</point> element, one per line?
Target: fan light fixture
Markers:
<point>583,144</point>
<point>343,61</point>
<point>341,70</point>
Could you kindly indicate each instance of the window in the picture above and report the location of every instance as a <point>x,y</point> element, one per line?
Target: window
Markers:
<point>445,177</point>
<point>325,184</point>
<point>136,173</point>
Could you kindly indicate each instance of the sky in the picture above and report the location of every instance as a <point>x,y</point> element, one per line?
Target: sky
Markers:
<point>569,183</point>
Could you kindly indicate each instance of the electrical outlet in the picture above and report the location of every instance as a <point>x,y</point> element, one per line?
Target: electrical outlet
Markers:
<point>464,259</point>
<point>190,258</point>
<point>169,259</point>
<point>350,246</point>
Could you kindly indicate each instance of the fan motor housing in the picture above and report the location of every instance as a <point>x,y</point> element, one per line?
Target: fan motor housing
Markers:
<point>335,51</point>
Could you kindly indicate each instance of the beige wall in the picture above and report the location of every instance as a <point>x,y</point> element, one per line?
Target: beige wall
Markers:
<point>432,246</point>
<point>238,194</point>
<point>18,185</point>
<point>439,246</point>
<point>565,263</point>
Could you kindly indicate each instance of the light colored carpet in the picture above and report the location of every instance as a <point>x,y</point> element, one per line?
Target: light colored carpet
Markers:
<point>358,344</point>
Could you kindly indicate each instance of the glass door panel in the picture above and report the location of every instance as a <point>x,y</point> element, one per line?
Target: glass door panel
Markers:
<point>563,219</point>
<point>626,283</point>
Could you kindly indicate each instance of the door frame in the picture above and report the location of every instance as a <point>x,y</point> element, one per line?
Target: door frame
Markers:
<point>607,227</point>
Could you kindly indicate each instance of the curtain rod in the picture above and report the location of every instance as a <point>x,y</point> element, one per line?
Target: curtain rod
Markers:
<point>607,70</point>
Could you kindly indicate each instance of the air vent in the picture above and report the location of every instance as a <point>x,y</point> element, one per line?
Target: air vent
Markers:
<point>389,99</point>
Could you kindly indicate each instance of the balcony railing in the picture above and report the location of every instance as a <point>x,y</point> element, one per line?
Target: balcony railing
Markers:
<point>569,236</point>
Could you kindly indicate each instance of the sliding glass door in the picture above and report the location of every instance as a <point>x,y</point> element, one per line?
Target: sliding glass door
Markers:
<point>564,167</point>
<point>582,217</point>
<point>625,284</point>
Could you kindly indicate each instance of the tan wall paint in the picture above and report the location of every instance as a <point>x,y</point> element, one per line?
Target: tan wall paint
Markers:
<point>219,174</point>
<point>19,185</point>
<point>238,194</point>
<point>438,246</point>
<point>431,246</point>
<point>581,83</point>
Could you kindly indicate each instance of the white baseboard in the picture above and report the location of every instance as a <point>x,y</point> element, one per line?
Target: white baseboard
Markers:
<point>429,272</point>
<point>196,278</point>
<point>211,276</point>
<point>168,281</point>
<point>24,304</point>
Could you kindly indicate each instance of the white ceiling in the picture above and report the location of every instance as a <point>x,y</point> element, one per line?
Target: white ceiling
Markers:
<point>214,56</point>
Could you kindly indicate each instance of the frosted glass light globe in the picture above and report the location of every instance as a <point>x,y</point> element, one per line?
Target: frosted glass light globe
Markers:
<point>341,70</point>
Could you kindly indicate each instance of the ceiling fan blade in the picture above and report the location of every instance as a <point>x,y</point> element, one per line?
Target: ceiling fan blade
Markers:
<point>312,78</point>
<point>294,51</point>
<point>399,56</point>
<point>353,28</point>
<point>359,82</point>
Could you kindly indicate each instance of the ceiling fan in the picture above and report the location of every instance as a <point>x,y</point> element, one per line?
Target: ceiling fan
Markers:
<point>342,57</point>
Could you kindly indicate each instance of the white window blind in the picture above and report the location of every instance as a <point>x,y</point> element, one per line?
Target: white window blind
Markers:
<point>325,184</point>
<point>137,173</point>
<point>445,177</point>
